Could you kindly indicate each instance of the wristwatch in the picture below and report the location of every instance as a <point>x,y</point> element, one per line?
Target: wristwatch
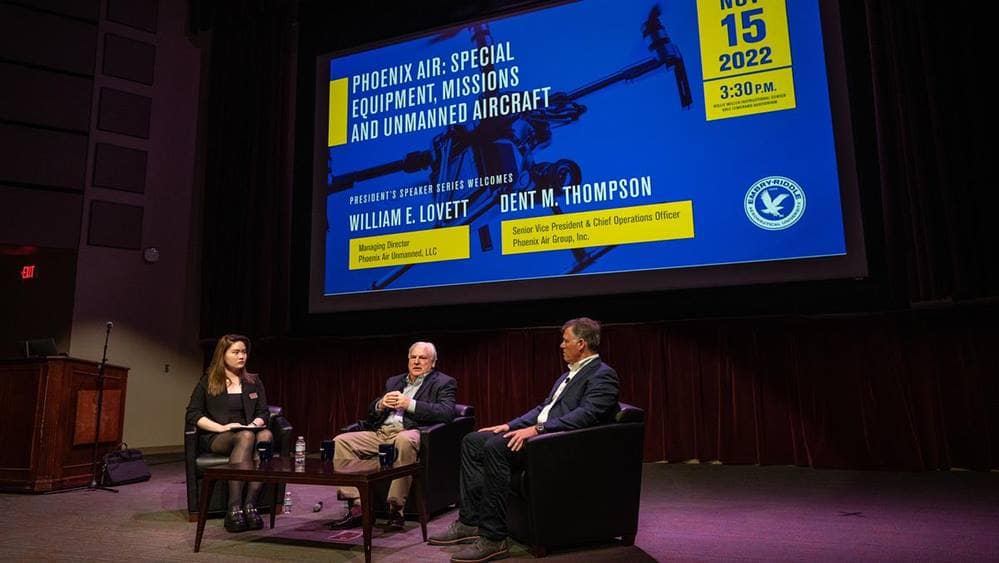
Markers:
<point>539,427</point>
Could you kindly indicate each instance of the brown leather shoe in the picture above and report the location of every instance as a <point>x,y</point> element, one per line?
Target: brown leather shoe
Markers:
<point>457,532</point>
<point>484,549</point>
<point>351,518</point>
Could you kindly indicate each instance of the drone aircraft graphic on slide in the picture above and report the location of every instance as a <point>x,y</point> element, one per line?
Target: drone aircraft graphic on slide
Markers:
<point>500,145</point>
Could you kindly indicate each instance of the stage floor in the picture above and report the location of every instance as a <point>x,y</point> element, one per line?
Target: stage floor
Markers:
<point>689,513</point>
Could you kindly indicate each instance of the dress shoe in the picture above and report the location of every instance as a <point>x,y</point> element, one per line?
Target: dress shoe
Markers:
<point>235,520</point>
<point>252,516</point>
<point>484,549</point>
<point>351,519</point>
<point>457,532</point>
<point>396,520</point>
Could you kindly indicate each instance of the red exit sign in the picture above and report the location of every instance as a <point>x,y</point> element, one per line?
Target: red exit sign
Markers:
<point>28,272</point>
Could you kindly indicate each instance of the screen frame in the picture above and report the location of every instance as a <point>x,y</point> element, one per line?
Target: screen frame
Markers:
<point>852,265</point>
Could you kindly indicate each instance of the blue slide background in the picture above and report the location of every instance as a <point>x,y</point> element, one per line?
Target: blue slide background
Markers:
<point>632,128</point>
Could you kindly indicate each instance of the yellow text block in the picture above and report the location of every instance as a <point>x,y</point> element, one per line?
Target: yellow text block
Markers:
<point>623,225</point>
<point>745,57</point>
<point>338,112</point>
<point>748,95</point>
<point>414,247</point>
<point>742,36</point>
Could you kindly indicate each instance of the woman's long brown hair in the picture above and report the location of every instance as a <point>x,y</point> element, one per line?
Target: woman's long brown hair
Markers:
<point>216,369</point>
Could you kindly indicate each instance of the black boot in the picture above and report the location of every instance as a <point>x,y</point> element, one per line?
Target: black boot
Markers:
<point>235,521</point>
<point>253,519</point>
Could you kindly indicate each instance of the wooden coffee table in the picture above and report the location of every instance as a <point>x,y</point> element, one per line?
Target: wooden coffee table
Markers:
<point>363,474</point>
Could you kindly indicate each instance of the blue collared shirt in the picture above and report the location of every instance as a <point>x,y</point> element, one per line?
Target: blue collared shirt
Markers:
<point>396,416</point>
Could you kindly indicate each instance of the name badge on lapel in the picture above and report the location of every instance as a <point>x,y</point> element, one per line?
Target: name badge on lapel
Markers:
<point>253,395</point>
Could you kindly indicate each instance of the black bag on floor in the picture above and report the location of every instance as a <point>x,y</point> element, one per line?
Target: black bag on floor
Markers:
<point>124,466</point>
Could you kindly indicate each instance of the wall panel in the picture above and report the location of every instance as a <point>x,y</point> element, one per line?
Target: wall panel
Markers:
<point>40,157</point>
<point>128,59</point>
<point>48,40</point>
<point>115,225</point>
<point>83,9</point>
<point>45,98</point>
<point>140,14</point>
<point>120,168</point>
<point>40,218</point>
<point>125,113</point>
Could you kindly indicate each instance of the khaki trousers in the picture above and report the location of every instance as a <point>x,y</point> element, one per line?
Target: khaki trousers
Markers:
<point>364,444</point>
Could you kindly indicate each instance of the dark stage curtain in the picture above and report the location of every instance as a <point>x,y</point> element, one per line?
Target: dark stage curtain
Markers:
<point>909,382</point>
<point>248,132</point>
<point>932,143</point>
<point>898,391</point>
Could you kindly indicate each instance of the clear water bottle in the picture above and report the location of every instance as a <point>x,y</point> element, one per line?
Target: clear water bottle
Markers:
<point>300,451</point>
<point>287,502</point>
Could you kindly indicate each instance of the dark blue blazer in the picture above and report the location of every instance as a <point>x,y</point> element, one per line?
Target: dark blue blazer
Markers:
<point>589,399</point>
<point>434,401</point>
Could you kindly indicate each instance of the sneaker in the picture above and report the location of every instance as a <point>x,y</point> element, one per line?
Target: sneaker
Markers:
<point>484,549</point>
<point>457,532</point>
<point>253,519</point>
<point>351,518</point>
<point>235,520</point>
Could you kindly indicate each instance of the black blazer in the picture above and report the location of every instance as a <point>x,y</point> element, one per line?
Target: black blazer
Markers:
<point>434,401</point>
<point>217,407</point>
<point>588,400</point>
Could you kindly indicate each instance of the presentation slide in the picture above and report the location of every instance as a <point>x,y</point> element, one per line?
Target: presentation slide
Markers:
<point>579,139</point>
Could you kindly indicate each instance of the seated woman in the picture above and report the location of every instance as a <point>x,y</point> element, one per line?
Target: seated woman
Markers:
<point>225,399</point>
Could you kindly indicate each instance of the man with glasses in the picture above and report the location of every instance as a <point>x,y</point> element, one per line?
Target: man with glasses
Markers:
<point>420,397</point>
<point>584,396</point>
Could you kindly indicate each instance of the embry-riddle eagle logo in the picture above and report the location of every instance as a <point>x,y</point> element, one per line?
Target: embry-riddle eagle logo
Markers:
<point>775,203</point>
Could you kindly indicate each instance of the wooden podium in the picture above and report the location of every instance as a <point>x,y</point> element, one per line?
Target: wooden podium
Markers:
<point>50,410</point>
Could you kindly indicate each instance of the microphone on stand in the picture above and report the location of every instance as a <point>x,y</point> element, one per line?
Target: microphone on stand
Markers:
<point>95,468</point>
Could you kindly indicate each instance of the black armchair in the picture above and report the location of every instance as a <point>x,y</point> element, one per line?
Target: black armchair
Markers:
<point>196,461</point>
<point>579,486</point>
<point>440,452</point>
